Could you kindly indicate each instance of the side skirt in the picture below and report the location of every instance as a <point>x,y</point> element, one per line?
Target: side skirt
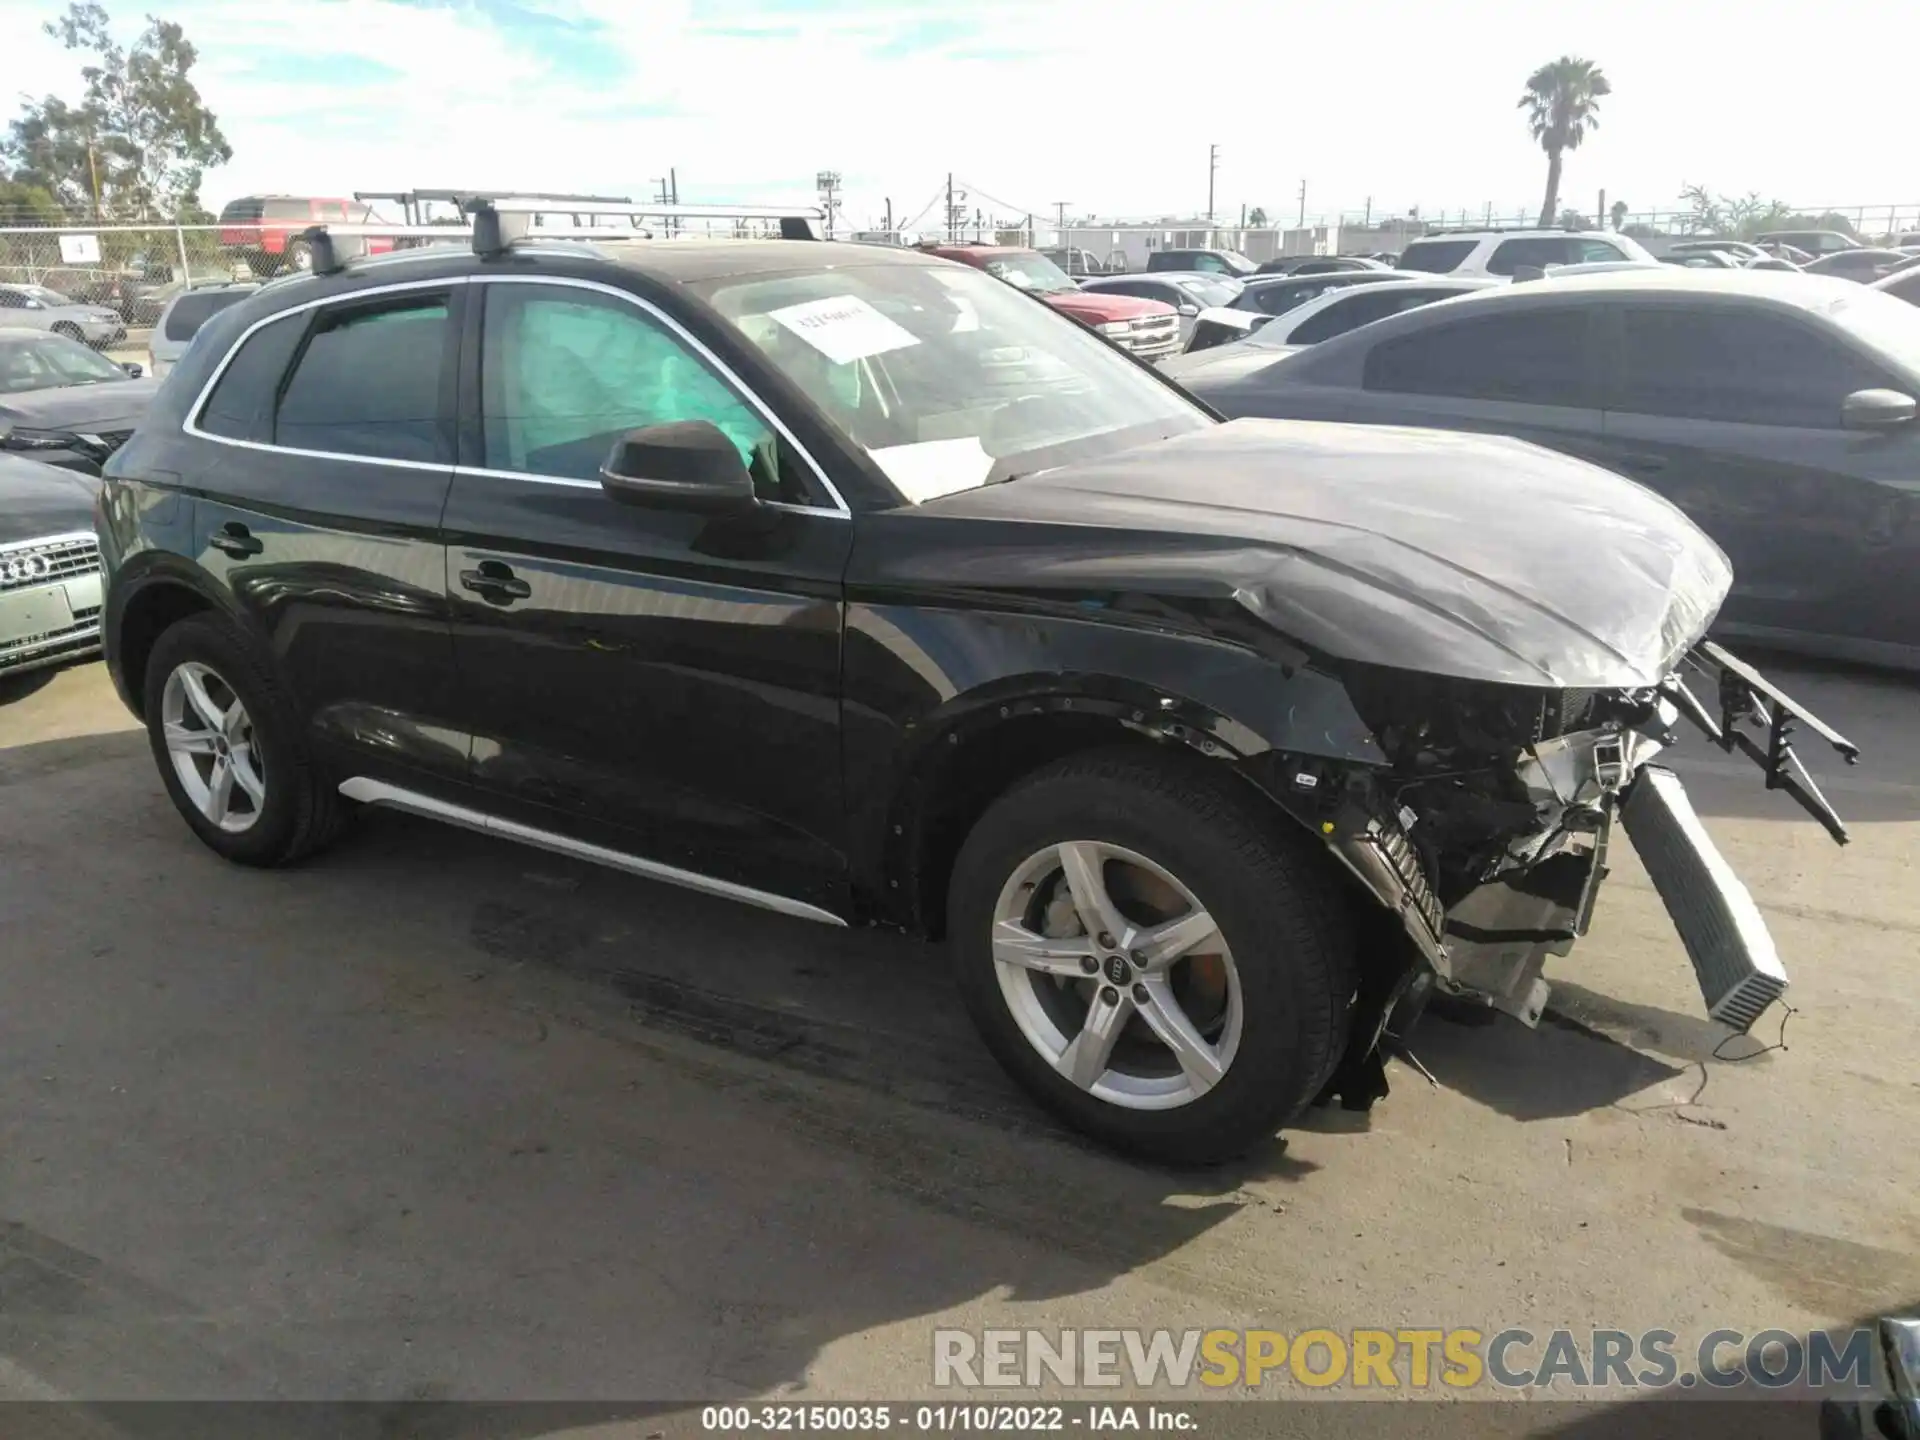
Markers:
<point>393,797</point>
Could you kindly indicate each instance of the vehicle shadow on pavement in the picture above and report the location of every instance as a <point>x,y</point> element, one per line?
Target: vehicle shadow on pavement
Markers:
<point>1560,1069</point>
<point>436,1116</point>
<point>14,688</point>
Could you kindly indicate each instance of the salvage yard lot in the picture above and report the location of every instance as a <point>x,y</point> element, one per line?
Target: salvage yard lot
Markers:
<point>438,1116</point>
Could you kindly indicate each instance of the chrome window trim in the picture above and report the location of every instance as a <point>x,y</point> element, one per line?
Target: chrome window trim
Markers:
<point>368,791</point>
<point>191,425</point>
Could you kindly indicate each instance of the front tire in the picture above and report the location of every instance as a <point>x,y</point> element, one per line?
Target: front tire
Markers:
<point>1149,956</point>
<point>230,748</point>
<point>70,330</point>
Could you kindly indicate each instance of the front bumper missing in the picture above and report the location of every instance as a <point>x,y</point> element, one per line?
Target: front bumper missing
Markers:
<point>1726,939</point>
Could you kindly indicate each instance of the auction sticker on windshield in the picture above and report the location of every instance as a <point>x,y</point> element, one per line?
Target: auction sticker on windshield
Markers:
<point>843,328</point>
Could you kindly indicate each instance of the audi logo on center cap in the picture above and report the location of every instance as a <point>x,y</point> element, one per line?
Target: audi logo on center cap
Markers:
<point>27,567</point>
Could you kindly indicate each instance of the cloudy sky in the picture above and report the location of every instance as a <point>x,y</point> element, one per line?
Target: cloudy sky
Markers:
<point>1109,106</point>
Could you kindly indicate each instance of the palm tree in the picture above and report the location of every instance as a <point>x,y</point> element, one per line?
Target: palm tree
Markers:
<point>1562,103</point>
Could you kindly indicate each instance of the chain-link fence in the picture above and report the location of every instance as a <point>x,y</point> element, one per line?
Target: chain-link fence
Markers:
<point>132,270</point>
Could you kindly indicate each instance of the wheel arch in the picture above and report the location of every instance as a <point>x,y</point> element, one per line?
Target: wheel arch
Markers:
<point>142,608</point>
<point>969,754</point>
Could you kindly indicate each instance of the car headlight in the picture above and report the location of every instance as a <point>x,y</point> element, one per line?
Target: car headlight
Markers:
<point>18,439</point>
<point>1115,327</point>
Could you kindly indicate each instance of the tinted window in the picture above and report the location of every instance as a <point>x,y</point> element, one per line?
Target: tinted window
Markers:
<point>1367,304</point>
<point>1588,251</point>
<point>1206,292</point>
<point>368,383</point>
<point>565,373</point>
<point>1435,257</point>
<point>241,406</point>
<point>1736,365</point>
<point>1278,299</point>
<point>288,210</point>
<point>192,310</point>
<point>247,209</point>
<point>1539,251</point>
<point>1537,358</point>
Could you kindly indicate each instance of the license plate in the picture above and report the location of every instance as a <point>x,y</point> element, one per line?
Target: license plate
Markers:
<point>83,592</point>
<point>34,612</point>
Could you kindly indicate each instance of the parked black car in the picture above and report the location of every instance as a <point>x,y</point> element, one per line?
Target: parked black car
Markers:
<point>852,583</point>
<point>1319,265</point>
<point>1863,265</point>
<point>1776,410</point>
<point>63,403</point>
<point>1207,262</point>
<point>49,567</point>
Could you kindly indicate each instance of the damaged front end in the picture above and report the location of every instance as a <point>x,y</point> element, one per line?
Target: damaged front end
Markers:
<point>1487,831</point>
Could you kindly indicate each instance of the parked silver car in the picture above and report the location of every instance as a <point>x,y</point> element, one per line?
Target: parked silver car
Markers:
<point>180,319</point>
<point>49,567</point>
<point>34,307</point>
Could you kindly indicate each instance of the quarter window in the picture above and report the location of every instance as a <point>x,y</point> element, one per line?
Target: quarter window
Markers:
<point>1536,358</point>
<point>1736,366</point>
<point>241,406</point>
<point>1538,251</point>
<point>565,373</point>
<point>369,383</point>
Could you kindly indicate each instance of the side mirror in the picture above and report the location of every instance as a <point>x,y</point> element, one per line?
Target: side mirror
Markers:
<point>1189,309</point>
<point>683,465</point>
<point>134,372</point>
<point>31,304</point>
<point>1876,410</point>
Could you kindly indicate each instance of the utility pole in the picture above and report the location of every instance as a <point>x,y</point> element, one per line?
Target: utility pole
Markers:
<point>827,182</point>
<point>93,173</point>
<point>1367,223</point>
<point>950,234</point>
<point>1303,205</point>
<point>1600,215</point>
<point>889,215</point>
<point>1213,168</point>
<point>1060,221</point>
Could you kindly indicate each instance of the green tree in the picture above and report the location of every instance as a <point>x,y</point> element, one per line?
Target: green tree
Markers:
<point>1562,102</point>
<point>1257,218</point>
<point>24,204</point>
<point>138,142</point>
<point>1617,212</point>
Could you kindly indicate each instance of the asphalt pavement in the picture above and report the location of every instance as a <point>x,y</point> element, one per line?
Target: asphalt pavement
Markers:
<point>436,1116</point>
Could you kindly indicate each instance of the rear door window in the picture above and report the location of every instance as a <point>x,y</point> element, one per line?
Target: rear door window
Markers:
<point>1743,366</point>
<point>1435,257</point>
<point>1588,251</point>
<point>369,382</point>
<point>1367,304</point>
<point>1539,357</point>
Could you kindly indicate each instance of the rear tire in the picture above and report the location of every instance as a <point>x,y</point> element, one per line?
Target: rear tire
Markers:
<point>69,329</point>
<point>1168,840</point>
<point>231,749</point>
<point>298,259</point>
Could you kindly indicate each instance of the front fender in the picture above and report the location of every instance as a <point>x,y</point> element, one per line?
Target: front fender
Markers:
<point>921,681</point>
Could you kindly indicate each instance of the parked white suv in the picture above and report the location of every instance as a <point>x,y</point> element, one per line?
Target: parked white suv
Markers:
<point>1502,252</point>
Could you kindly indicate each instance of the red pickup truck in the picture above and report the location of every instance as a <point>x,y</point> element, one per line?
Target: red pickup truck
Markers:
<point>1148,328</point>
<point>264,230</point>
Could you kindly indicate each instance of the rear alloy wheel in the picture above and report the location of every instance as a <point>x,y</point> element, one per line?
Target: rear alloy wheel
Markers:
<point>299,257</point>
<point>1150,952</point>
<point>230,747</point>
<point>209,736</point>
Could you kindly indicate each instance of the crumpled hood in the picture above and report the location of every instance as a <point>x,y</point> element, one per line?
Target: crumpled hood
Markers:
<point>37,500</point>
<point>107,405</point>
<point>1478,557</point>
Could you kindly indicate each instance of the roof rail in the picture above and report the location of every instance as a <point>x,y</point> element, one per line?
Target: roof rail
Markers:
<point>1506,230</point>
<point>493,226</point>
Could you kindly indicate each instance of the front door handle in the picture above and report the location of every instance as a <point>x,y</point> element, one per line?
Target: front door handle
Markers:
<point>495,582</point>
<point>236,540</point>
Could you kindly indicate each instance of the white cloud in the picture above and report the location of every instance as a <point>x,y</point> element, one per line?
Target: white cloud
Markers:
<point>1110,106</point>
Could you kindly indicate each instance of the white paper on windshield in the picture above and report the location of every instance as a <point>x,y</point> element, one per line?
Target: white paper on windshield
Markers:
<point>933,468</point>
<point>843,328</point>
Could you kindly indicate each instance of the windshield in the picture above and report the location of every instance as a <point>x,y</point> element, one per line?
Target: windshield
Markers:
<point>1219,292</point>
<point>43,295</point>
<point>49,362</point>
<point>1029,270</point>
<point>944,376</point>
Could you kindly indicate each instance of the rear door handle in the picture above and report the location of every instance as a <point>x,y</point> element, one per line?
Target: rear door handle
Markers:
<point>236,540</point>
<point>495,582</point>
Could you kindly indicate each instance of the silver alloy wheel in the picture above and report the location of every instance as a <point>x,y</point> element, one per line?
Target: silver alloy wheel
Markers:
<point>1117,975</point>
<point>209,737</point>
